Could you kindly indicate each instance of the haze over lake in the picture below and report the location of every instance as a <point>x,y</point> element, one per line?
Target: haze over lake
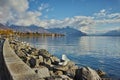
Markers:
<point>98,52</point>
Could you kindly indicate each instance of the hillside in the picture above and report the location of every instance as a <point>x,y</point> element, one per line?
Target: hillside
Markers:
<point>3,27</point>
<point>31,29</point>
<point>67,31</point>
<point>112,33</point>
<point>4,30</point>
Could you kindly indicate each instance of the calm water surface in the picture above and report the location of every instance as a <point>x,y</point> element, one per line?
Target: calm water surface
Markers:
<point>96,52</point>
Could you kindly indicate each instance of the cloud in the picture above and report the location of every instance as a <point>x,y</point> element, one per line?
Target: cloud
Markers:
<point>13,6</point>
<point>43,6</point>
<point>104,14</point>
<point>16,12</point>
<point>18,5</point>
<point>28,18</point>
<point>114,15</point>
<point>101,14</point>
<point>104,17</point>
<point>106,21</point>
<point>77,22</point>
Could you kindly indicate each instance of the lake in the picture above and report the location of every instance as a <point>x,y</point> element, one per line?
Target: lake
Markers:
<point>98,52</point>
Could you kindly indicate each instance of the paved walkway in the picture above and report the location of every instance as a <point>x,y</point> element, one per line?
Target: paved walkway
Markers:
<point>17,68</point>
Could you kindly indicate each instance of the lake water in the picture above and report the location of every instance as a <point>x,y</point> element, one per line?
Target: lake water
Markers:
<point>97,52</point>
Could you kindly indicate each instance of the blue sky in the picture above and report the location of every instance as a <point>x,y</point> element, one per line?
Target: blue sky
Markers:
<point>90,16</point>
<point>61,9</point>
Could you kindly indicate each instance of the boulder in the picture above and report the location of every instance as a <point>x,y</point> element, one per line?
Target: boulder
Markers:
<point>33,51</point>
<point>54,78</point>
<point>27,62</point>
<point>101,73</point>
<point>71,72</point>
<point>58,73</point>
<point>24,59</point>
<point>41,58</point>
<point>61,77</point>
<point>86,73</point>
<point>47,61</point>
<point>64,77</point>
<point>21,53</point>
<point>61,68</point>
<point>51,73</point>
<point>32,62</point>
<point>29,47</point>
<point>39,61</point>
<point>42,72</point>
<point>23,50</point>
<point>70,64</point>
<point>44,53</point>
<point>36,57</point>
<point>54,60</point>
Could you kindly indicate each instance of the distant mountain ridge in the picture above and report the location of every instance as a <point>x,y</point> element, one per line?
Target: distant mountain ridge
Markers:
<point>67,31</point>
<point>5,31</point>
<point>112,33</point>
<point>31,28</point>
<point>3,27</point>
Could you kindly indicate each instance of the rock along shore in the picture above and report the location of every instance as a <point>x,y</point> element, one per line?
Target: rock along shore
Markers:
<point>47,65</point>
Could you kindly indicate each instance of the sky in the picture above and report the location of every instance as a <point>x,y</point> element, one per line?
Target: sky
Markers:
<point>90,16</point>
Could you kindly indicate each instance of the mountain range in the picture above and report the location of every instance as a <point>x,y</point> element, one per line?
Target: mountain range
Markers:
<point>112,33</point>
<point>3,27</point>
<point>68,31</point>
<point>33,28</point>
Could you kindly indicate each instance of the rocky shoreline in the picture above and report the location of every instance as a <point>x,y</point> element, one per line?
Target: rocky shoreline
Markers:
<point>47,65</point>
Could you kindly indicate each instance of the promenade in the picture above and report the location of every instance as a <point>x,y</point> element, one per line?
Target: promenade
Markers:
<point>12,67</point>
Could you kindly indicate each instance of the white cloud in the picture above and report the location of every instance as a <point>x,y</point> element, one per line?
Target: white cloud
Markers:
<point>104,14</point>
<point>103,11</point>
<point>101,14</point>
<point>28,18</point>
<point>114,15</point>
<point>15,11</point>
<point>43,6</point>
<point>78,22</point>
<point>18,5</point>
<point>106,21</point>
<point>104,17</point>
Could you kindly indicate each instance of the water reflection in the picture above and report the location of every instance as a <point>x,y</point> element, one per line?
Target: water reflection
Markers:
<point>99,46</point>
